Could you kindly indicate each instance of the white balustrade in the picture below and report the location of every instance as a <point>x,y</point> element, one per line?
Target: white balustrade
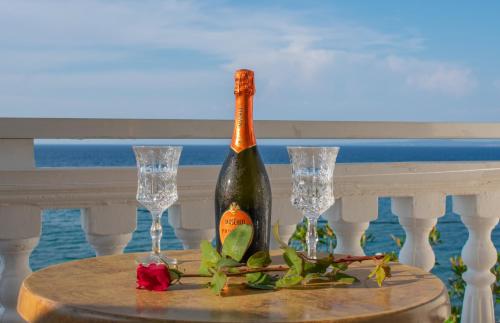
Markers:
<point>109,228</point>
<point>480,214</point>
<point>418,215</point>
<point>349,218</point>
<point>107,196</point>
<point>19,235</point>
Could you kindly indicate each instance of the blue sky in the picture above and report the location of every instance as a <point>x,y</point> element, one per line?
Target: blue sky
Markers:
<point>314,60</point>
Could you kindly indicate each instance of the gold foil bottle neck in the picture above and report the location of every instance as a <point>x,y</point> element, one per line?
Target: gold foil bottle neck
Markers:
<point>243,82</point>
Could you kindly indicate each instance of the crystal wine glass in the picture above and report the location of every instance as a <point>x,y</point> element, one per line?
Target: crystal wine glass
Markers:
<point>312,186</point>
<point>157,189</point>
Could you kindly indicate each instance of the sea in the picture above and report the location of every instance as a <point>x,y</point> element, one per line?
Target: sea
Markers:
<point>63,240</point>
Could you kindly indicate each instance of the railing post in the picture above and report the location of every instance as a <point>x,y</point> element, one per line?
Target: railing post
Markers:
<point>193,221</point>
<point>19,235</point>
<point>349,218</point>
<point>418,215</point>
<point>109,228</point>
<point>480,215</point>
<point>19,230</point>
<point>17,154</point>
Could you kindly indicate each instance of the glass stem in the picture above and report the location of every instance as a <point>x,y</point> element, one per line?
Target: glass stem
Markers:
<point>156,232</point>
<point>312,237</point>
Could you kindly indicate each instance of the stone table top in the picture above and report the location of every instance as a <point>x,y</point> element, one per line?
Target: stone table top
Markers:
<point>102,289</point>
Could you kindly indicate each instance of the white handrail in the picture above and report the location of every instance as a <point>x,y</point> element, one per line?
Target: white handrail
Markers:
<point>67,128</point>
<point>80,187</point>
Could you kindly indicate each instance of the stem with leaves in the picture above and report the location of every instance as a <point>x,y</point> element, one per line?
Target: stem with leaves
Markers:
<point>258,271</point>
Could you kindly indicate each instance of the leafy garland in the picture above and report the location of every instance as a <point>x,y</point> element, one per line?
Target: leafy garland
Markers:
<point>299,269</point>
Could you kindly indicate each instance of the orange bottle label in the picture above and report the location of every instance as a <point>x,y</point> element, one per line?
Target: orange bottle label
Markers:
<point>243,133</point>
<point>232,218</point>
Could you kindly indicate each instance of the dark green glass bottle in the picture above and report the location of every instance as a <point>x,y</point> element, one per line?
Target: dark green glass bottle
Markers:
<point>243,192</point>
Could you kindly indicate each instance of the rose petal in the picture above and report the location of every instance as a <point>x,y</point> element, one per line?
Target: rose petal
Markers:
<point>153,277</point>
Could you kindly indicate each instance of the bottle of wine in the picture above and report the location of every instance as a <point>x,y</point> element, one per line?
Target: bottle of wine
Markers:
<point>243,192</point>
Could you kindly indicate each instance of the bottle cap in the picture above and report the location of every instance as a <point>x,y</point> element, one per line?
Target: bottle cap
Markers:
<point>243,82</point>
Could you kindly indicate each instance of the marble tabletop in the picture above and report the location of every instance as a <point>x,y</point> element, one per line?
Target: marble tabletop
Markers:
<point>102,289</point>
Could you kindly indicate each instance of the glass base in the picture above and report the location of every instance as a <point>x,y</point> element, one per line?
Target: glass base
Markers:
<point>157,259</point>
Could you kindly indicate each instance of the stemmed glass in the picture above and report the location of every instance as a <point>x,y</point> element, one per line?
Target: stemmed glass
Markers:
<point>312,186</point>
<point>157,189</point>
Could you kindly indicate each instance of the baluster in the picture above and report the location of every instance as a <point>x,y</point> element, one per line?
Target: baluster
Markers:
<point>480,215</point>
<point>109,228</point>
<point>418,215</point>
<point>193,221</point>
<point>349,218</point>
<point>19,235</point>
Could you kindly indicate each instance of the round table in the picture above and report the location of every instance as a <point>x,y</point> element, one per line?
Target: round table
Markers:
<point>102,289</point>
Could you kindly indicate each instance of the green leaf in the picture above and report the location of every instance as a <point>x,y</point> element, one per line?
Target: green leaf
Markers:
<point>254,278</point>
<point>381,270</point>
<point>259,278</point>
<point>208,252</point>
<point>380,276</point>
<point>203,270</point>
<point>313,277</point>
<point>293,260</point>
<point>380,273</point>
<point>260,281</point>
<point>451,319</point>
<point>227,263</point>
<point>289,280</point>
<point>259,259</point>
<point>206,269</point>
<point>209,258</point>
<point>434,236</point>
<point>366,238</point>
<point>385,266</point>
<point>399,241</point>
<point>261,286</point>
<point>218,282</point>
<point>320,266</point>
<point>345,278</point>
<point>237,242</point>
<point>342,266</point>
<point>393,256</point>
<point>276,234</point>
<point>298,235</point>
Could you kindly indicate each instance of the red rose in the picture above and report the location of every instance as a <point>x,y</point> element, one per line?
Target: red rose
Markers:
<point>153,277</point>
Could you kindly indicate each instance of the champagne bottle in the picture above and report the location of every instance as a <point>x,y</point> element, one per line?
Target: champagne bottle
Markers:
<point>243,192</point>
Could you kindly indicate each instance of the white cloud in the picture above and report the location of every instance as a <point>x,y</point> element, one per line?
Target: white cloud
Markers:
<point>230,33</point>
<point>301,67</point>
<point>433,76</point>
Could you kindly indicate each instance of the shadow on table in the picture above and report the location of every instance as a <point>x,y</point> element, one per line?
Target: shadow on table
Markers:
<point>435,312</point>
